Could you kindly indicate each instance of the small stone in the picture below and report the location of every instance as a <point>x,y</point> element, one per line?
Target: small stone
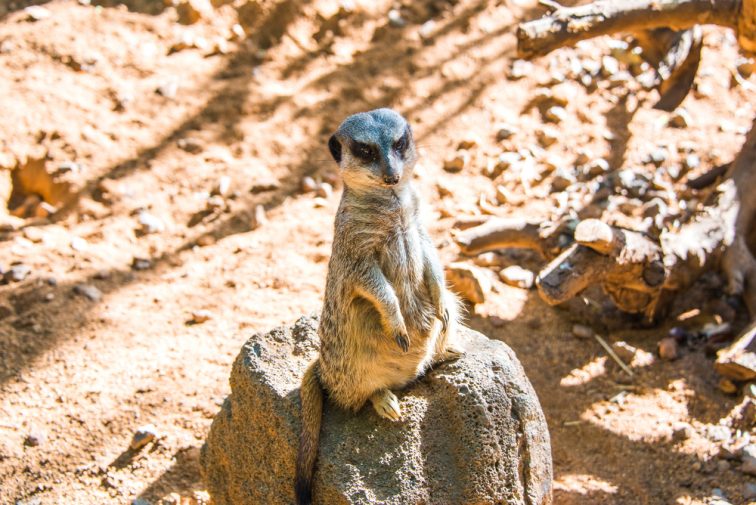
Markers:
<point>749,491</point>
<point>457,162</point>
<point>223,186</point>
<point>582,331</point>
<point>518,277</point>
<point>205,240</point>
<point>657,156</point>
<point>745,66</point>
<point>681,432</point>
<point>427,29</point>
<point>201,316</point>
<point>609,66</point>
<point>35,438</point>
<point>505,131</point>
<point>88,291</point>
<point>168,89</point>
<point>547,136</point>
<point>727,386</point>
<point>141,263</point>
<point>691,162</point>
<point>470,282</point>
<point>748,459</point>
<point>149,223</point>
<point>561,180</point>
<point>191,11</point>
<point>469,142</point>
<point>597,167</point>
<point>260,218</point>
<point>667,348</point>
<point>78,244</point>
<point>324,190</point>
<point>143,436</point>
<point>395,18</point>
<point>215,202</point>
<point>309,185</point>
<point>487,259</point>
<point>37,13</point>
<point>680,118</point>
<point>16,273</point>
<point>520,69</point>
<point>264,185</point>
<point>191,145</point>
<point>555,114</point>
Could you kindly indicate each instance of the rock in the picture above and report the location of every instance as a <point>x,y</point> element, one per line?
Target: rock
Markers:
<point>215,203</point>
<point>143,436</point>
<point>35,438</point>
<point>16,273</point>
<point>259,218</point>
<point>748,459</point>
<point>562,180</point>
<point>505,131</point>
<point>691,162</point>
<point>555,114</point>
<point>149,223</point>
<point>457,162</point>
<point>609,66</point>
<point>597,167</point>
<point>470,282</point>
<point>472,431</point>
<point>681,432</point>
<point>680,118</point>
<point>324,190</point>
<point>657,157</point>
<point>168,89</point>
<point>309,185</point>
<point>223,186</point>
<point>518,277</point>
<point>582,331</point>
<point>201,316</point>
<point>487,259</point>
<point>191,11</point>
<point>37,13</point>
<point>88,291</point>
<point>191,145</point>
<point>667,348</point>
<point>468,142</point>
<point>141,263</point>
<point>395,18</point>
<point>520,69</point>
<point>749,491</point>
<point>547,136</point>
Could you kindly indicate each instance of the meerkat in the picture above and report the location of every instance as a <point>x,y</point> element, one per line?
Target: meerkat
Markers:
<point>387,315</point>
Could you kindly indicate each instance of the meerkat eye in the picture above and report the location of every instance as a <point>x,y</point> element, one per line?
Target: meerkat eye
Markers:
<point>364,151</point>
<point>401,145</point>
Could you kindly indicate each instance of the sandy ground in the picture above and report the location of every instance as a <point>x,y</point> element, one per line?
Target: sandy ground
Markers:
<point>78,376</point>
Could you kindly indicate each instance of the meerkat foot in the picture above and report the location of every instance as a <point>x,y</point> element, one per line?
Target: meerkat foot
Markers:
<point>450,353</point>
<point>402,340</point>
<point>386,404</point>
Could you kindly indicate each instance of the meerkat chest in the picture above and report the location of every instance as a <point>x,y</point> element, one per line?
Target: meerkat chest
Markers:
<point>402,256</point>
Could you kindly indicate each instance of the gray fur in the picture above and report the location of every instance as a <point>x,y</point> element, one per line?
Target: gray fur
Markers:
<point>387,314</point>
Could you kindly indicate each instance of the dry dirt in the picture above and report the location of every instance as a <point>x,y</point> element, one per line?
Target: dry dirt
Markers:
<point>79,376</point>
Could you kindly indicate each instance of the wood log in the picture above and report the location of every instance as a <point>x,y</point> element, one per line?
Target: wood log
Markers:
<point>501,233</point>
<point>567,25</point>
<point>738,360</point>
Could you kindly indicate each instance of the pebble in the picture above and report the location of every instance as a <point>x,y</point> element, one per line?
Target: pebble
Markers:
<point>168,89</point>
<point>16,273</point>
<point>324,190</point>
<point>505,131</point>
<point>547,136</point>
<point>88,291</point>
<point>727,386</point>
<point>582,331</point>
<point>260,218</point>
<point>469,281</point>
<point>518,277</point>
<point>680,118</point>
<point>201,316</point>
<point>555,114</point>
<point>191,145</point>
<point>37,13</point>
<point>487,259</point>
<point>609,66</point>
<point>141,263</point>
<point>562,180</point>
<point>597,167</point>
<point>691,162</point>
<point>149,223</point>
<point>520,69</point>
<point>215,202</point>
<point>457,162</point>
<point>190,11</point>
<point>681,432</point>
<point>78,244</point>
<point>468,142</point>
<point>668,349</point>
<point>34,438</point>
<point>309,185</point>
<point>223,186</point>
<point>748,459</point>
<point>657,156</point>
<point>143,436</point>
<point>395,18</point>
<point>749,491</point>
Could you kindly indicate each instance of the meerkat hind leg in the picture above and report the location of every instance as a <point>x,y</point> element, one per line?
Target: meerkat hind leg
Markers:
<point>386,404</point>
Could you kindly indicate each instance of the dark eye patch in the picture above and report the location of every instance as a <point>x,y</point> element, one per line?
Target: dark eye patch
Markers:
<point>401,145</point>
<point>365,152</point>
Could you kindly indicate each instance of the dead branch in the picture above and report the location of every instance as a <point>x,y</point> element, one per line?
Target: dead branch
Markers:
<point>738,361</point>
<point>568,25</point>
<point>500,233</point>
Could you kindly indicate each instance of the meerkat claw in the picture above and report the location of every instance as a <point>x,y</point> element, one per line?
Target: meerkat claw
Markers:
<point>402,339</point>
<point>386,404</point>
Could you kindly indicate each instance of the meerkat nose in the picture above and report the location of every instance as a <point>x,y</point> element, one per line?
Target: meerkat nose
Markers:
<point>391,179</point>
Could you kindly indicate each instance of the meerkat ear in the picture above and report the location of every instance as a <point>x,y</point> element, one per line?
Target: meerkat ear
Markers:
<point>335,147</point>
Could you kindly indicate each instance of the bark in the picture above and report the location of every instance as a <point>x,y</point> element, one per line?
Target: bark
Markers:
<point>567,25</point>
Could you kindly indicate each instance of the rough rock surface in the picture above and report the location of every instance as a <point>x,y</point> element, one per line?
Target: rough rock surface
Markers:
<point>472,432</point>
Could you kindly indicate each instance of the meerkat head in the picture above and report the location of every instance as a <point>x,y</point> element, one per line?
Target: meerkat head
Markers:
<point>374,150</point>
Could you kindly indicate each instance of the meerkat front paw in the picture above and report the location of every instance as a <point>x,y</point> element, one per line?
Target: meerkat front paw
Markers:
<point>386,404</point>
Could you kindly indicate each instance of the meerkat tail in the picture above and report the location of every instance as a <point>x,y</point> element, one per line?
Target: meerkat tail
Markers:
<point>311,395</point>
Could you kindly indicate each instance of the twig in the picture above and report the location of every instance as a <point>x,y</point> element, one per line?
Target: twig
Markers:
<point>550,4</point>
<point>613,355</point>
